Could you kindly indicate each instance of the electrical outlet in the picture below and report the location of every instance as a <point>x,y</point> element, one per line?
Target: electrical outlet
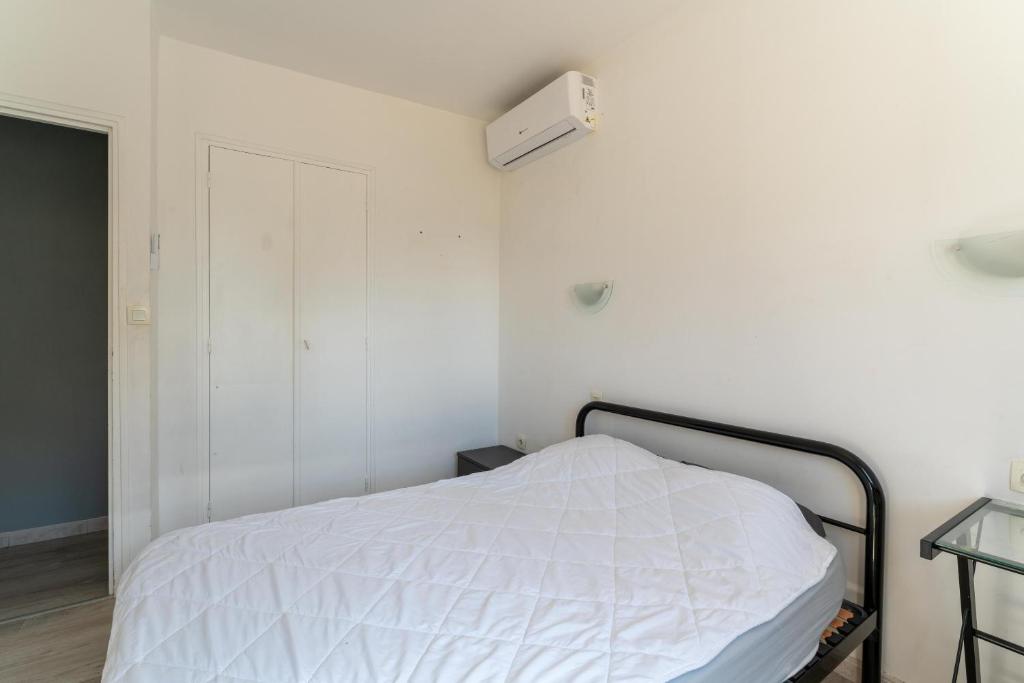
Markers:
<point>1017,475</point>
<point>1016,532</point>
<point>521,442</point>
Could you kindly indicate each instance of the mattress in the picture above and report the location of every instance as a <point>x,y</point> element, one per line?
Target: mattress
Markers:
<point>590,560</point>
<point>779,648</point>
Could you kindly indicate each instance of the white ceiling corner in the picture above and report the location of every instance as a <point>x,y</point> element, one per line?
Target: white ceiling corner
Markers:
<point>471,57</point>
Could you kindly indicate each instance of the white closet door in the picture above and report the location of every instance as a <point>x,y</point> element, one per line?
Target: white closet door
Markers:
<point>331,333</point>
<point>251,333</point>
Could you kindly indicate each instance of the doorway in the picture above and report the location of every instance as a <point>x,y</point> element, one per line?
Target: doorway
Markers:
<point>54,362</point>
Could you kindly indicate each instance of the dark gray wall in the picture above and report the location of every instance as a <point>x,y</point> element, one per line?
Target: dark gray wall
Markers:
<point>53,324</point>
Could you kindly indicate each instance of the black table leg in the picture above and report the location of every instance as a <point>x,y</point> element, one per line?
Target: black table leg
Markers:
<point>965,569</point>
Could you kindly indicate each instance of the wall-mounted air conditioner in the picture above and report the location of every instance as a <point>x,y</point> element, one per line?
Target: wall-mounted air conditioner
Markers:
<point>560,113</point>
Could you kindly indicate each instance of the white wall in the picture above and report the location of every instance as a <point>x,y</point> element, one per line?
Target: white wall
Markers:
<point>434,256</point>
<point>95,56</point>
<point>765,189</point>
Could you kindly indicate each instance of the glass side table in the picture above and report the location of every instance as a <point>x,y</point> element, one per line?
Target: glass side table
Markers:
<point>990,532</point>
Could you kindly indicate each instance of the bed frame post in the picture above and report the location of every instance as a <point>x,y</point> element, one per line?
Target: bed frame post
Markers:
<point>871,663</point>
<point>874,565</point>
<point>874,499</point>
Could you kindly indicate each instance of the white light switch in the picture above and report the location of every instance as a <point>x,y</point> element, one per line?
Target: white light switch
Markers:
<point>138,315</point>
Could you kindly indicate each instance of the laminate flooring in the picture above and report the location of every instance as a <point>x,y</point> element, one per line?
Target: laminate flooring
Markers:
<point>36,577</point>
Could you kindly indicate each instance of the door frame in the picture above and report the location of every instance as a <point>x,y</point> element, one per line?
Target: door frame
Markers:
<point>204,142</point>
<point>118,476</point>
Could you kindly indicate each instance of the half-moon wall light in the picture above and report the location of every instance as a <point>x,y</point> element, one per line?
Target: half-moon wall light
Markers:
<point>593,296</point>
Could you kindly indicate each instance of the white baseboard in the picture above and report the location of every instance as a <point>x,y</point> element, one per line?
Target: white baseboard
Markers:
<point>47,533</point>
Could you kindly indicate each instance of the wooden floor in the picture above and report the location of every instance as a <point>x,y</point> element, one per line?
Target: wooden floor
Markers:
<point>36,577</point>
<point>70,645</point>
<point>66,646</point>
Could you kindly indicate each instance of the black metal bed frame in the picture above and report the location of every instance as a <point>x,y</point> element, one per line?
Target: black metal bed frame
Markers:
<point>867,627</point>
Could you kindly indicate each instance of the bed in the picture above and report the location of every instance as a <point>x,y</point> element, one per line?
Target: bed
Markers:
<point>590,560</point>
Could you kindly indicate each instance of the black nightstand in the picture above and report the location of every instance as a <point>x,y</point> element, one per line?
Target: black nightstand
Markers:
<point>484,459</point>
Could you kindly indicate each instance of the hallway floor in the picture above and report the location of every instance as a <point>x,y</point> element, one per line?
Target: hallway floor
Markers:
<point>36,577</point>
<point>66,646</point>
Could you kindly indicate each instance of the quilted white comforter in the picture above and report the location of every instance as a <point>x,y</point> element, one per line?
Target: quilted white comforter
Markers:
<point>590,560</point>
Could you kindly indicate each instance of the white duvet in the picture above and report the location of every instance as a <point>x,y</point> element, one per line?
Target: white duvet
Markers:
<point>590,560</point>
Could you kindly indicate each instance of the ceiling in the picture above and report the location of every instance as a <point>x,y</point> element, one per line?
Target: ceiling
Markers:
<point>472,57</point>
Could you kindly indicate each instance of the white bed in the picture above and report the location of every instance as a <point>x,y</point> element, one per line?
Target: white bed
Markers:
<point>590,560</point>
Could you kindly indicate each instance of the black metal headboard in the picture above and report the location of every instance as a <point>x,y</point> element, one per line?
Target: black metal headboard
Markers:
<point>873,529</point>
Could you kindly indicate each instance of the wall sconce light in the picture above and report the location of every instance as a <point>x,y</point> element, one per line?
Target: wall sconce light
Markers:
<point>992,263</point>
<point>593,296</point>
<point>997,254</point>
